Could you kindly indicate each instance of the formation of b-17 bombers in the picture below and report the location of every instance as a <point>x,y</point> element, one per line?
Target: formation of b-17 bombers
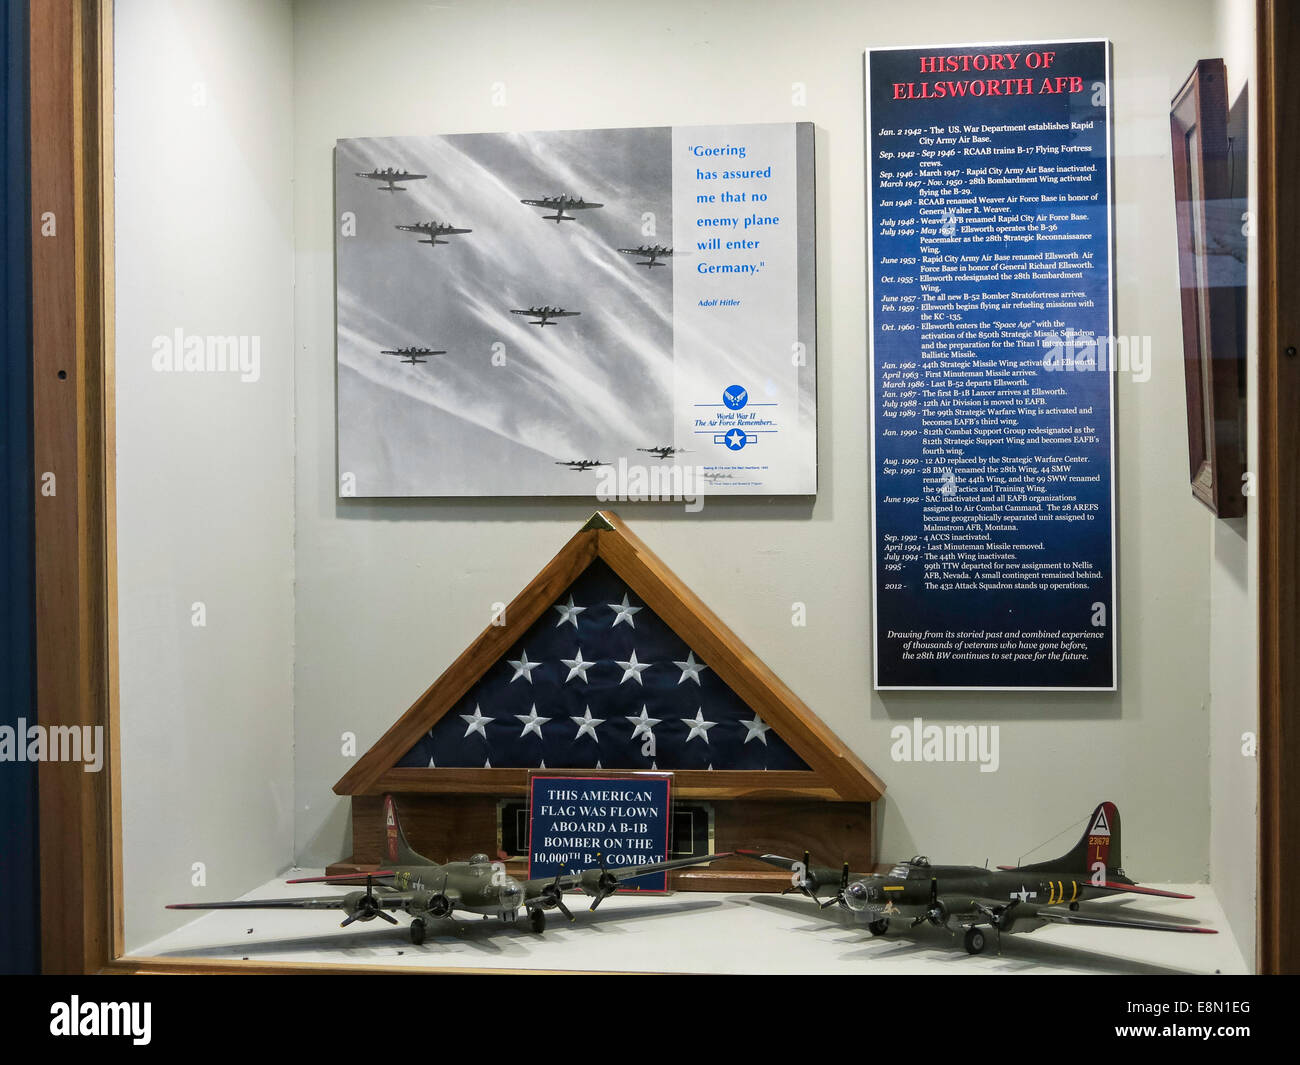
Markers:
<point>432,232</point>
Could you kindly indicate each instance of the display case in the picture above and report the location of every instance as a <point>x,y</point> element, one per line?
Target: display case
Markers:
<point>385,327</point>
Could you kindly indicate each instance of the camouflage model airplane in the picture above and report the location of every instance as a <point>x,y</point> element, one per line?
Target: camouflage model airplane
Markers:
<point>391,177</point>
<point>544,314</point>
<point>432,231</point>
<point>1007,899</point>
<point>560,204</point>
<point>652,254</point>
<point>415,356</point>
<point>429,891</point>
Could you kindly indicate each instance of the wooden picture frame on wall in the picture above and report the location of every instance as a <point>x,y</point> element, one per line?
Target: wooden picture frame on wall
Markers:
<point>1213,355</point>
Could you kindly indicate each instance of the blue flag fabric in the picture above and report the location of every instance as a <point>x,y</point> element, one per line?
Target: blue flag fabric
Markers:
<point>600,681</point>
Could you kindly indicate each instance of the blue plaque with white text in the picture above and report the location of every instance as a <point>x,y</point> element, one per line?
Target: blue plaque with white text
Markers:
<point>578,822</point>
<point>993,357</point>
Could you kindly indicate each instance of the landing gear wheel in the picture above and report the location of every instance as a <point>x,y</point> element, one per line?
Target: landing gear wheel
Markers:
<point>417,931</point>
<point>1074,906</point>
<point>975,941</point>
<point>537,920</point>
<point>879,928</point>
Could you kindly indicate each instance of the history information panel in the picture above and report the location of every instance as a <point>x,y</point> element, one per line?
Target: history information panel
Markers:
<point>992,359</point>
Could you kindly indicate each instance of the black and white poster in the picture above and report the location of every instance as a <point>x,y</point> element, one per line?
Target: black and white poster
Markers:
<point>619,313</point>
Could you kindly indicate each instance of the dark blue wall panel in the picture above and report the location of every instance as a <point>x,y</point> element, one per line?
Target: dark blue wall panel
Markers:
<point>20,926</point>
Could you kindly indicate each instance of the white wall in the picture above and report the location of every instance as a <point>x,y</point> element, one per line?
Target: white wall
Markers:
<point>1234,585</point>
<point>204,168</point>
<point>390,593</point>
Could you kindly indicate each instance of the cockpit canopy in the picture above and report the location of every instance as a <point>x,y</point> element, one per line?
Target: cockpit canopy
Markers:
<point>479,859</point>
<point>919,861</point>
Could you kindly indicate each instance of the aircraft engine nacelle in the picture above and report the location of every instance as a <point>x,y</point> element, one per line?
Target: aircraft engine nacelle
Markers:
<point>598,885</point>
<point>360,905</point>
<point>432,903</point>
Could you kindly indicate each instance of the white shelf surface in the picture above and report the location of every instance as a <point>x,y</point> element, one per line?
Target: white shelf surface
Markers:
<point>703,932</point>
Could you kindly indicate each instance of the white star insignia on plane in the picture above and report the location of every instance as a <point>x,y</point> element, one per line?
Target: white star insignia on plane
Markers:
<point>690,668</point>
<point>1024,894</point>
<point>754,730</point>
<point>645,724</point>
<point>632,668</point>
<point>624,612</point>
<point>533,722</point>
<point>523,668</point>
<point>475,722</point>
<point>568,612</point>
<point>699,727</point>
<point>577,667</point>
<point>587,724</point>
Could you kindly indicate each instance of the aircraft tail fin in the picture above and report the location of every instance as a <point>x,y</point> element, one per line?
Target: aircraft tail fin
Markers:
<point>1097,851</point>
<point>396,850</point>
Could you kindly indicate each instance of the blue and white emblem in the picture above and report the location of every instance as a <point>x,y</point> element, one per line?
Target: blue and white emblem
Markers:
<point>735,398</point>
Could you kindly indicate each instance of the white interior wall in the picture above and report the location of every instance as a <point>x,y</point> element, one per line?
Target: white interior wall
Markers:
<point>204,171</point>
<point>390,592</point>
<point>1234,584</point>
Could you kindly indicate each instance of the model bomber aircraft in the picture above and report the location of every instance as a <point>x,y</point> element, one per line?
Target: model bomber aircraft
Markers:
<point>428,891</point>
<point>664,451</point>
<point>391,177</point>
<point>583,464</point>
<point>544,314</point>
<point>560,204</point>
<point>651,254</point>
<point>432,231</point>
<point>1007,899</point>
<point>415,356</point>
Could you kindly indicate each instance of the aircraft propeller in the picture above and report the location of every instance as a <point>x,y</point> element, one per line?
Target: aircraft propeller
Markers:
<point>606,884</point>
<point>367,908</point>
<point>936,912</point>
<point>554,896</point>
<point>839,895</point>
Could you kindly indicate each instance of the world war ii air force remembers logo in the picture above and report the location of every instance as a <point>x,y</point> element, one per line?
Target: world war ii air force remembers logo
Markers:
<point>993,354</point>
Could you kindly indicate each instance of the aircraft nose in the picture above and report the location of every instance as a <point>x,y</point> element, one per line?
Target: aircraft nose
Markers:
<point>855,896</point>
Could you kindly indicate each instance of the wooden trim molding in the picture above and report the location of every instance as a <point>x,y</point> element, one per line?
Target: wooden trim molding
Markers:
<point>1277,92</point>
<point>69,407</point>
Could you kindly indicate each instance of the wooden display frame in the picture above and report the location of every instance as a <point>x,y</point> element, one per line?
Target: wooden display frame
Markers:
<point>1213,354</point>
<point>75,616</point>
<point>779,811</point>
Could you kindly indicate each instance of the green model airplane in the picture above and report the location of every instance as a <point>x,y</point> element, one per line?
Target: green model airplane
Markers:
<point>429,891</point>
<point>1007,899</point>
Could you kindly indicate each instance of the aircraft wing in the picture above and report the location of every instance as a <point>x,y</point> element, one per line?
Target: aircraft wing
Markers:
<point>1067,917</point>
<point>316,902</point>
<point>824,875</point>
<point>589,877</point>
<point>541,203</point>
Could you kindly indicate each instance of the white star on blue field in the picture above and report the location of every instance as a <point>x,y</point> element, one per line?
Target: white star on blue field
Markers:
<point>581,689</point>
